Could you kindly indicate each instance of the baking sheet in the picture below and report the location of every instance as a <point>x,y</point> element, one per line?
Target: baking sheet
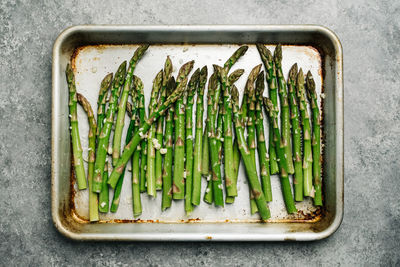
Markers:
<point>92,63</point>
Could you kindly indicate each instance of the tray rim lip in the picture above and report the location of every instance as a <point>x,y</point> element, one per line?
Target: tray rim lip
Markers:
<point>295,236</point>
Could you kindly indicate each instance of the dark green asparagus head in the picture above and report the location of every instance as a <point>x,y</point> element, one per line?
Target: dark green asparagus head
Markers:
<point>85,105</point>
<point>193,83</point>
<point>171,85</point>
<point>180,89</point>
<point>310,86</point>
<point>212,86</point>
<point>202,81</point>
<point>235,57</point>
<point>278,56</point>
<point>157,84</point>
<point>300,84</point>
<point>105,84</point>
<point>138,54</point>
<point>249,88</point>
<point>137,84</point>
<point>70,77</point>
<point>265,54</point>
<point>119,76</point>
<point>293,72</point>
<point>184,71</point>
<point>269,107</point>
<point>260,85</point>
<point>234,76</point>
<point>167,71</point>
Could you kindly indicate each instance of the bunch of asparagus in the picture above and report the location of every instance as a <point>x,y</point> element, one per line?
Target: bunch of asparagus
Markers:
<point>166,156</point>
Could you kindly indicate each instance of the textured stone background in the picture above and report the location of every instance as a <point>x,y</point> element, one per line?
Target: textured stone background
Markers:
<point>370,35</point>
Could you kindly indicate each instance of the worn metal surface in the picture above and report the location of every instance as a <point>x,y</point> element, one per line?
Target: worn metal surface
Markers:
<point>312,47</point>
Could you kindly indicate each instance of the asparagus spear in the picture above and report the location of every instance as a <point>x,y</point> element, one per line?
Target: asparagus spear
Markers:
<point>151,153</point>
<point>270,75</point>
<point>316,138</point>
<point>76,142</point>
<point>198,146</point>
<point>101,102</point>
<point>104,136</point>
<point>227,82</point>
<point>212,133</point>
<point>261,148</point>
<point>143,143</point>
<point>243,116</point>
<point>305,119</point>
<point>168,143</point>
<point>160,122</point>
<point>296,131</point>
<point>178,186</point>
<point>280,145</point>
<point>131,147</point>
<point>285,116</point>
<point>122,103</point>
<point>136,200</point>
<point>192,87</point>
<point>206,168</point>
<point>248,161</point>
<point>129,134</point>
<point>93,201</point>
<point>251,131</point>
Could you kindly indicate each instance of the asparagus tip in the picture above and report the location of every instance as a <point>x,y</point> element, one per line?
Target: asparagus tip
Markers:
<point>310,83</point>
<point>278,54</point>
<point>293,72</point>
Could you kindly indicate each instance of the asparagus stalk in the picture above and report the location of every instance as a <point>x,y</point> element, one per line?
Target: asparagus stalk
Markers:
<point>205,160</point>
<point>160,122</point>
<point>270,75</point>
<point>104,193</point>
<point>251,131</point>
<point>104,136</point>
<point>235,166</point>
<point>168,143</point>
<point>316,138</point>
<point>243,116</point>
<point>280,145</point>
<point>151,140</point>
<point>206,168</point>
<point>248,161</point>
<point>235,57</point>
<point>192,87</point>
<point>102,101</point>
<point>136,199</point>
<point>93,200</point>
<point>227,82</point>
<point>198,146</point>
<point>129,134</point>
<point>296,132</point>
<point>76,142</point>
<point>131,147</point>
<point>124,99</point>
<point>212,134</point>
<point>143,143</point>
<point>178,186</point>
<point>305,119</point>
<point>285,116</point>
<point>261,148</point>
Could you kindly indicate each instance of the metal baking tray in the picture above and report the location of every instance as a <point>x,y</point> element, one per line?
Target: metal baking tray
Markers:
<point>98,50</point>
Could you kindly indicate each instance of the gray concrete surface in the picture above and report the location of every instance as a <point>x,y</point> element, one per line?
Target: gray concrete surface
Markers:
<point>370,35</point>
